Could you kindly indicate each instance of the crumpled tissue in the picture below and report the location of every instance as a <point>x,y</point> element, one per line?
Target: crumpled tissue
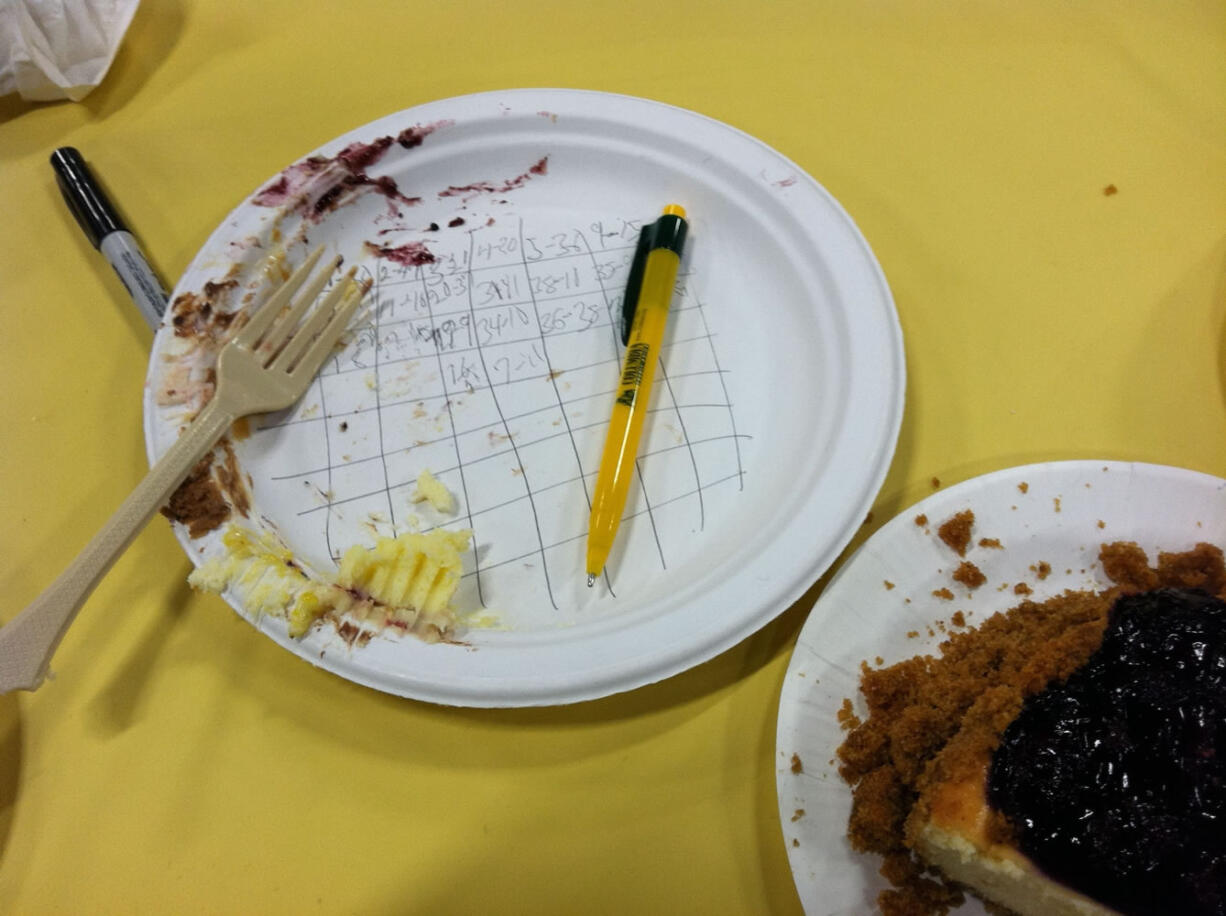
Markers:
<point>59,49</point>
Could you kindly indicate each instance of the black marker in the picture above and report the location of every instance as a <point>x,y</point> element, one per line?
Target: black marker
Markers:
<point>106,232</point>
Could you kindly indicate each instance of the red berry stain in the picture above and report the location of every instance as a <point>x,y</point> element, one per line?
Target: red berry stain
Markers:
<point>348,169</point>
<point>488,187</point>
<point>413,136</point>
<point>411,254</point>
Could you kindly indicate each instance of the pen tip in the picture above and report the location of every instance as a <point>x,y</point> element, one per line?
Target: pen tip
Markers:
<point>591,579</point>
<point>675,210</point>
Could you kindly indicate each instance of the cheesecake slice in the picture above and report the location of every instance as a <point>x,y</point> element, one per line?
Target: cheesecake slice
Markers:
<point>956,836</point>
<point>1065,757</point>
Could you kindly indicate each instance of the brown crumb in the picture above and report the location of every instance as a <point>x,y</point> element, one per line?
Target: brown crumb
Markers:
<point>917,893</point>
<point>1056,502</point>
<point>1042,570</point>
<point>944,594</point>
<point>1101,523</point>
<point>211,491</point>
<point>198,502</point>
<point>956,531</point>
<point>934,721</point>
<point>1125,562</point>
<point>958,619</point>
<point>888,584</point>
<point>911,634</point>
<point>847,715</point>
<point>234,483</point>
<point>991,543</point>
<point>936,483</point>
<point>969,575</point>
<point>354,635</point>
<point>1022,589</point>
<point>921,520</point>
<point>205,316</point>
<point>798,814</point>
<point>1110,190</point>
<point>795,842</point>
<point>1024,487</point>
<point>1199,567</point>
<point>797,765</point>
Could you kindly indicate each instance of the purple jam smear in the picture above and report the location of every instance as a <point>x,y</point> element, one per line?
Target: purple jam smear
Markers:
<point>410,254</point>
<point>489,187</point>
<point>358,157</point>
<point>413,136</point>
<point>349,171</point>
<point>292,182</point>
<point>1115,780</point>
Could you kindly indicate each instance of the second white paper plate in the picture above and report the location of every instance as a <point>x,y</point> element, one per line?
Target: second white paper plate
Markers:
<point>1050,520</point>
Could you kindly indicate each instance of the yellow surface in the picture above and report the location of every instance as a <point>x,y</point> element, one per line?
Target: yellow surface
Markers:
<point>181,762</point>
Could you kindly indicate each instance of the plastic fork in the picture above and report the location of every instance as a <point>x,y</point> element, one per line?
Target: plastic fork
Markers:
<point>267,365</point>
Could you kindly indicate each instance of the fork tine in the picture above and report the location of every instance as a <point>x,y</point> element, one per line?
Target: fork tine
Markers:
<point>249,335</point>
<point>322,345</point>
<point>312,326</point>
<point>280,332</point>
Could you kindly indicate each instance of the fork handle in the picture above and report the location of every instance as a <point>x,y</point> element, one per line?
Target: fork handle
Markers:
<point>30,639</point>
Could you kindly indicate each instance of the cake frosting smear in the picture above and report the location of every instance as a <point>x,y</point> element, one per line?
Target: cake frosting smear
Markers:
<point>1064,757</point>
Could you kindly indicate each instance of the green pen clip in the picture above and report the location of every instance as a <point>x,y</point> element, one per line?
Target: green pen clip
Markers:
<point>669,232</point>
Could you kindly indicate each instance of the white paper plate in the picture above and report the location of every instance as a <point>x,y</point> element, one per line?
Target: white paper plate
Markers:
<point>495,368</point>
<point>1068,510</point>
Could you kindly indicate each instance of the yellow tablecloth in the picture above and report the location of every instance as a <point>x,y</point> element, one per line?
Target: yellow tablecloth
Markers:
<point>1044,184</point>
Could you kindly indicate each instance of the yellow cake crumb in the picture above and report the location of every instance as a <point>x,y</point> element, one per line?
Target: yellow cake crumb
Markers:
<point>416,571</point>
<point>430,489</point>
<point>406,581</point>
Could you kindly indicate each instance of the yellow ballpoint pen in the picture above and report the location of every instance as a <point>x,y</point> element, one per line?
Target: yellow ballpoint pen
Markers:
<point>648,293</point>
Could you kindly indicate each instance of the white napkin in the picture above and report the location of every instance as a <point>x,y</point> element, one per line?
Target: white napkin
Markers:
<point>59,49</point>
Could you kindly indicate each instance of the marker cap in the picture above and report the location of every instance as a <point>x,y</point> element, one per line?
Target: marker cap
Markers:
<point>85,199</point>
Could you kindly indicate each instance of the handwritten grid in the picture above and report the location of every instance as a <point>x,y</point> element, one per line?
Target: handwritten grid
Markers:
<point>494,367</point>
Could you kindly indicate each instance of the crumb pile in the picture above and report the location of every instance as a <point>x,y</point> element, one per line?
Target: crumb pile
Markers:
<point>936,719</point>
